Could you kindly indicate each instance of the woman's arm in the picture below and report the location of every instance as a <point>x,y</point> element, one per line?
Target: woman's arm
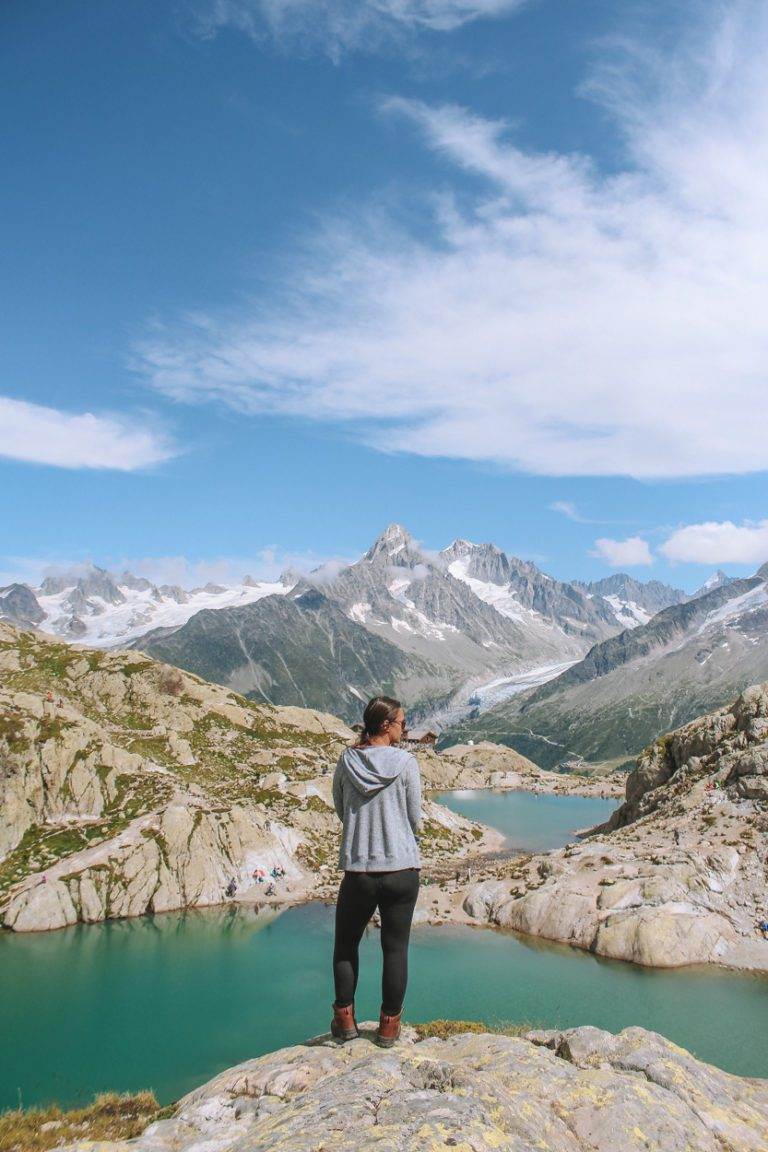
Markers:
<point>413,796</point>
<point>338,795</point>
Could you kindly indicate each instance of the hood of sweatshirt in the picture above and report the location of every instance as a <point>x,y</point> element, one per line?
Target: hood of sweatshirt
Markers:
<point>373,768</point>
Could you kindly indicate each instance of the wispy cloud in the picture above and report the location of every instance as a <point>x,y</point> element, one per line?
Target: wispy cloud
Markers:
<point>627,553</point>
<point>39,435</point>
<point>558,320</point>
<point>567,509</point>
<point>264,564</point>
<point>340,26</point>
<point>720,542</point>
<point>572,512</point>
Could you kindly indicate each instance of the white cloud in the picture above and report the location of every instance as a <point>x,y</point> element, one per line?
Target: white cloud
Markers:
<point>39,435</point>
<point>567,509</point>
<point>558,320</point>
<point>339,26</point>
<point>627,553</point>
<point>325,572</point>
<point>719,543</point>
<point>264,564</point>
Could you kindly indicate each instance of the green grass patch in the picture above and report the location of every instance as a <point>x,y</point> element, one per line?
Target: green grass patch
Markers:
<point>444,1029</point>
<point>153,748</point>
<point>110,1117</point>
<point>434,830</point>
<point>12,731</point>
<point>315,804</point>
<point>42,846</point>
<point>51,728</point>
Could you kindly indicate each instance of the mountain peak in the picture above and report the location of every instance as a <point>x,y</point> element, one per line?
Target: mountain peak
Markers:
<point>135,583</point>
<point>394,544</point>
<point>86,580</point>
<point>717,580</point>
<point>290,577</point>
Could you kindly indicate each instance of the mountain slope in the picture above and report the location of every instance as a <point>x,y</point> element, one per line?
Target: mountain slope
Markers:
<point>627,690</point>
<point>128,787</point>
<point>298,649</point>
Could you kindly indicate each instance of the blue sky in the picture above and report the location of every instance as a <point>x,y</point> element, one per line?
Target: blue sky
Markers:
<point>276,274</point>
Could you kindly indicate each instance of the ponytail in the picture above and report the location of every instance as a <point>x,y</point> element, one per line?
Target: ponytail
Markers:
<point>378,711</point>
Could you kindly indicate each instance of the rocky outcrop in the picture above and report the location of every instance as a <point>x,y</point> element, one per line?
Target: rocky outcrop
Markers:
<point>487,765</point>
<point>127,787</point>
<point>678,875</point>
<point>582,1090</point>
<point>18,604</point>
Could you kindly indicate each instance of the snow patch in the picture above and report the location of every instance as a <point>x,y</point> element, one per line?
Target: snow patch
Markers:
<point>733,609</point>
<point>499,596</point>
<point>627,612</point>
<point>109,625</point>
<point>359,612</point>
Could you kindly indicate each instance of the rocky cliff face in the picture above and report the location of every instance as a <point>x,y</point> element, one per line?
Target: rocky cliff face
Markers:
<point>582,1090</point>
<point>128,787</point>
<point>678,875</point>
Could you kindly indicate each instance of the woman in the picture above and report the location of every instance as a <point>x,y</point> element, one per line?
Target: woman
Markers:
<point>377,794</point>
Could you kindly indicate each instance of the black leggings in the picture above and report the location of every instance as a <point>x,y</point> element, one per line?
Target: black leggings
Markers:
<point>360,893</point>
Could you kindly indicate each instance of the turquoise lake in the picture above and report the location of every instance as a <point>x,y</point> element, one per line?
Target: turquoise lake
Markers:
<point>531,822</point>
<point>166,1002</point>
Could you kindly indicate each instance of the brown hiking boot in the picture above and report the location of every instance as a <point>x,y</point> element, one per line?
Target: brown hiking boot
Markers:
<point>344,1025</point>
<point>388,1030</point>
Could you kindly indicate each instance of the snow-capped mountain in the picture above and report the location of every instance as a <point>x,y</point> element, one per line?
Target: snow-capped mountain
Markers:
<point>519,590</point>
<point>716,580</point>
<point>469,605</point>
<point>103,610</point>
<point>449,628</point>
<point>688,659</point>
<point>447,624</point>
<point>632,602</point>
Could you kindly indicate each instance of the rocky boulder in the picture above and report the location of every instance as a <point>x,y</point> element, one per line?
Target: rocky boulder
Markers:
<point>582,1090</point>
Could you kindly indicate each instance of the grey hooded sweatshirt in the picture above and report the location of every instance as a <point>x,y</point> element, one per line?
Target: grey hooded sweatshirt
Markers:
<point>377,794</point>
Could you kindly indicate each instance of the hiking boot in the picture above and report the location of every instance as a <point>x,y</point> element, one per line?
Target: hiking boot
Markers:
<point>344,1025</point>
<point>388,1030</point>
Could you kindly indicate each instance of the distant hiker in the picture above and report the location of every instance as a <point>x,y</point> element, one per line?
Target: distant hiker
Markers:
<point>377,795</point>
<point>231,888</point>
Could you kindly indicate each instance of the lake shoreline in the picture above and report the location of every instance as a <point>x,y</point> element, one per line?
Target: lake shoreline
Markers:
<point>204,988</point>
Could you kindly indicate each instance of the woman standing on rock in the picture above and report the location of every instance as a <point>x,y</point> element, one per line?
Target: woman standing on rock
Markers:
<point>377,794</point>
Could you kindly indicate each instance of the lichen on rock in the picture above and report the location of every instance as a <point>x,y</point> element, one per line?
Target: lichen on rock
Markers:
<point>580,1090</point>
